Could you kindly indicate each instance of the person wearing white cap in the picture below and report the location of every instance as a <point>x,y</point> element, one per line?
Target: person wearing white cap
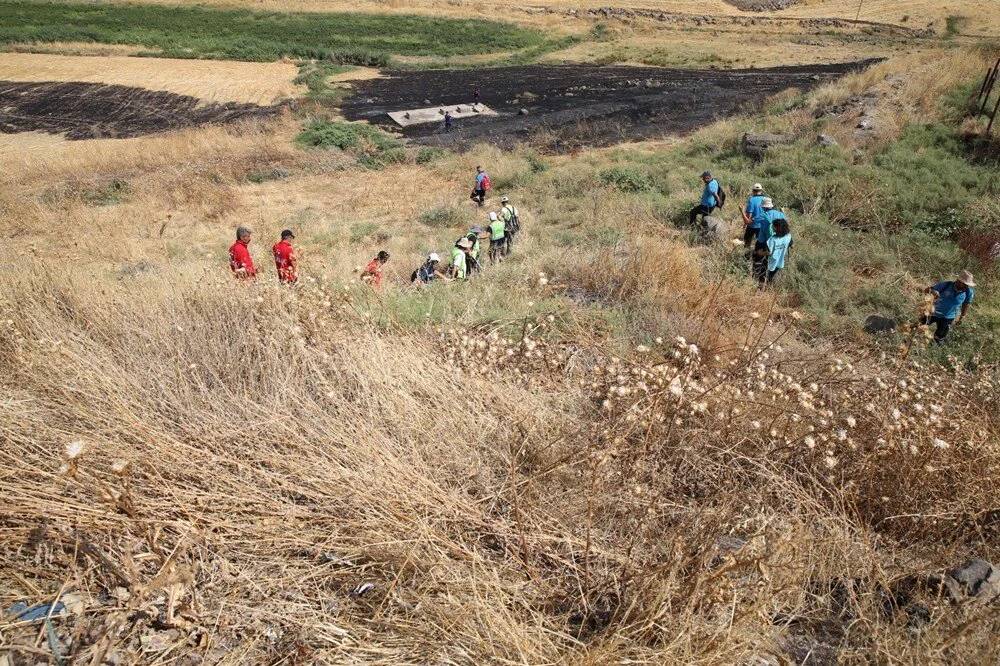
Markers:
<point>459,256</point>
<point>771,215</point>
<point>429,271</point>
<point>753,215</point>
<point>951,303</point>
<point>498,240</point>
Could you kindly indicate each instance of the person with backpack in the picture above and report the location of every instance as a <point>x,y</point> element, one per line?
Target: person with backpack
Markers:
<point>951,303</point>
<point>472,260</point>
<point>753,216</point>
<point>511,221</point>
<point>778,247</point>
<point>712,197</point>
<point>428,271</point>
<point>498,239</point>
<point>482,186</point>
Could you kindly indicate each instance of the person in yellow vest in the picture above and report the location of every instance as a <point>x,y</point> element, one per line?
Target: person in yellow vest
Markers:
<point>472,259</point>
<point>511,221</point>
<point>498,240</point>
<point>459,255</point>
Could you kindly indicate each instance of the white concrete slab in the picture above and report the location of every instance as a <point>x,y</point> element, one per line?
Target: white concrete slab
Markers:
<point>435,114</point>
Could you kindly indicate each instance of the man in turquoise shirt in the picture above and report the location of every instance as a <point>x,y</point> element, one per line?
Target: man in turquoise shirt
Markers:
<point>709,198</point>
<point>951,302</point>
<point>753,214</point>
<point>771,215</point>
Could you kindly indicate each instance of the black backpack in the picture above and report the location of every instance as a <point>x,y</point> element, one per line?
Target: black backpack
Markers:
<point>720,196</point>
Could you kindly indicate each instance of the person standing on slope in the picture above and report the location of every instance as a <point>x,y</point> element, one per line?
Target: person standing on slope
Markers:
<point>712,197</point>
<point>285,259</point>
<point>511,222</point>
<point>498,239</point>
<point>481,187</point>
<point>240,261</point>
<point>459,256</point>
<point>951,303</point>
<point>753,216</point>
<point>771,216</point>
<point>778,247</point>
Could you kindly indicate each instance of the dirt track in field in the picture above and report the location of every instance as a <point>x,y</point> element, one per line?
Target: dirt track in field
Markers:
<point>94,110</point>
<point>565,106</point>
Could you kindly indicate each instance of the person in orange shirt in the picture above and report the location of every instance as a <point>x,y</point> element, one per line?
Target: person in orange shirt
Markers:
<point>285,259</point>
<point>373,271</point>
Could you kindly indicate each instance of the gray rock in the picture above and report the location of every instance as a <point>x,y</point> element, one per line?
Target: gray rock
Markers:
<point>826,141</point>
<point>877,324</point>
<point>757,145</point>
<point>522,111</point>
<point>974,575</point>
<point>713,228</point>
<point>866,123</point>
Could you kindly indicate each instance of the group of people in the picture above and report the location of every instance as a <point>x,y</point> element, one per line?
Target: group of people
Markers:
<point>767,235</point>
<point>466,257</point>
<point>767,239</point>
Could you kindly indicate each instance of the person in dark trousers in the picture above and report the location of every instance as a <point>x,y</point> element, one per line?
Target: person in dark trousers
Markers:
<point>778,247</point>
<point>448,120</point>
<point>511,222</point>
<point>481,186</point>
<point>709,198</point>
<point>753,214</point>
<point>951,303</point>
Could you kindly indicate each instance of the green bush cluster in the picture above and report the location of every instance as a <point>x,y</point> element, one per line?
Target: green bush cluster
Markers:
<point>442,217</point>
<point>373,148</point>
<point>627,179</point>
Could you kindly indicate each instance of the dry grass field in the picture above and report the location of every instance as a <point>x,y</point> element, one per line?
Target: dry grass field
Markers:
<point>212,81</point>
<point>611,448</point>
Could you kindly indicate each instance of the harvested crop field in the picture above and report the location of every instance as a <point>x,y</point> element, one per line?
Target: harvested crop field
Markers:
<point>571,105</point>
<point>92,110</point>
<point>208,80</point>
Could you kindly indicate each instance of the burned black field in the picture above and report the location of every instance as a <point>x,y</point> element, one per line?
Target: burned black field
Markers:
<point>565,106</point>
<point>93,110</point>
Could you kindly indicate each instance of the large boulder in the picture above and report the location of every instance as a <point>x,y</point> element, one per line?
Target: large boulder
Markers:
<point>714,229</point>
<point>757,145</point>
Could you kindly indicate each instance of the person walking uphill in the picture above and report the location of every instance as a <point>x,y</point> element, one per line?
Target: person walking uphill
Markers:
<point>372,274</point>
<point>240,260</point>
<point>482,186</point>
<point>511,221</point>
<point>778,246</point>
<point>498,239</point>
<point>753,216</point>
<point>284,258</point>
<point>459,256</point>
<point>951,303</point>
<point>760,252</point>
<point>712,197</point>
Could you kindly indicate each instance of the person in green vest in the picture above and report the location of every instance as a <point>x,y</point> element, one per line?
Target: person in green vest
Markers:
<point>459,255</point>
<point>511,221</point>
<point>473,265</point>
<point>498,239</point>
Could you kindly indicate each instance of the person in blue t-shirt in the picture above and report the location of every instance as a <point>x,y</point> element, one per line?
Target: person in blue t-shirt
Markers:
<point>778,247</point>
<point>753,214</point>
<point>951,303</point>
<point>770,216</point>
<point>709,198</point>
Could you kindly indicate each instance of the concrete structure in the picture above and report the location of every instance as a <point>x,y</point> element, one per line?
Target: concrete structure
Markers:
<point>435,114</point>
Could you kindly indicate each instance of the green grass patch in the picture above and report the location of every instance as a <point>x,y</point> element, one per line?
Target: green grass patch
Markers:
<point>199,32</point>
<point>443,217</point>
<point>628,179</point>
<point>373,148</point>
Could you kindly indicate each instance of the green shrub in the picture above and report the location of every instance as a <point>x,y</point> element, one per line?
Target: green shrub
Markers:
<point>628,179</point>
<point>442,217</point>
<point>426,155</point>
<point>374,148</point>
<point>108,194</point>
<point>362,230</point>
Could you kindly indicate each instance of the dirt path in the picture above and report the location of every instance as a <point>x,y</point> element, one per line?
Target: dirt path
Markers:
<point>573,105</point>
<point>93,110</point>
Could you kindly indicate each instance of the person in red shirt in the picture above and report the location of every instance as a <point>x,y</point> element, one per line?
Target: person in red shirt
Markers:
<point>240,260</point>
<point>285,260</point>
<point>373,271</point>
